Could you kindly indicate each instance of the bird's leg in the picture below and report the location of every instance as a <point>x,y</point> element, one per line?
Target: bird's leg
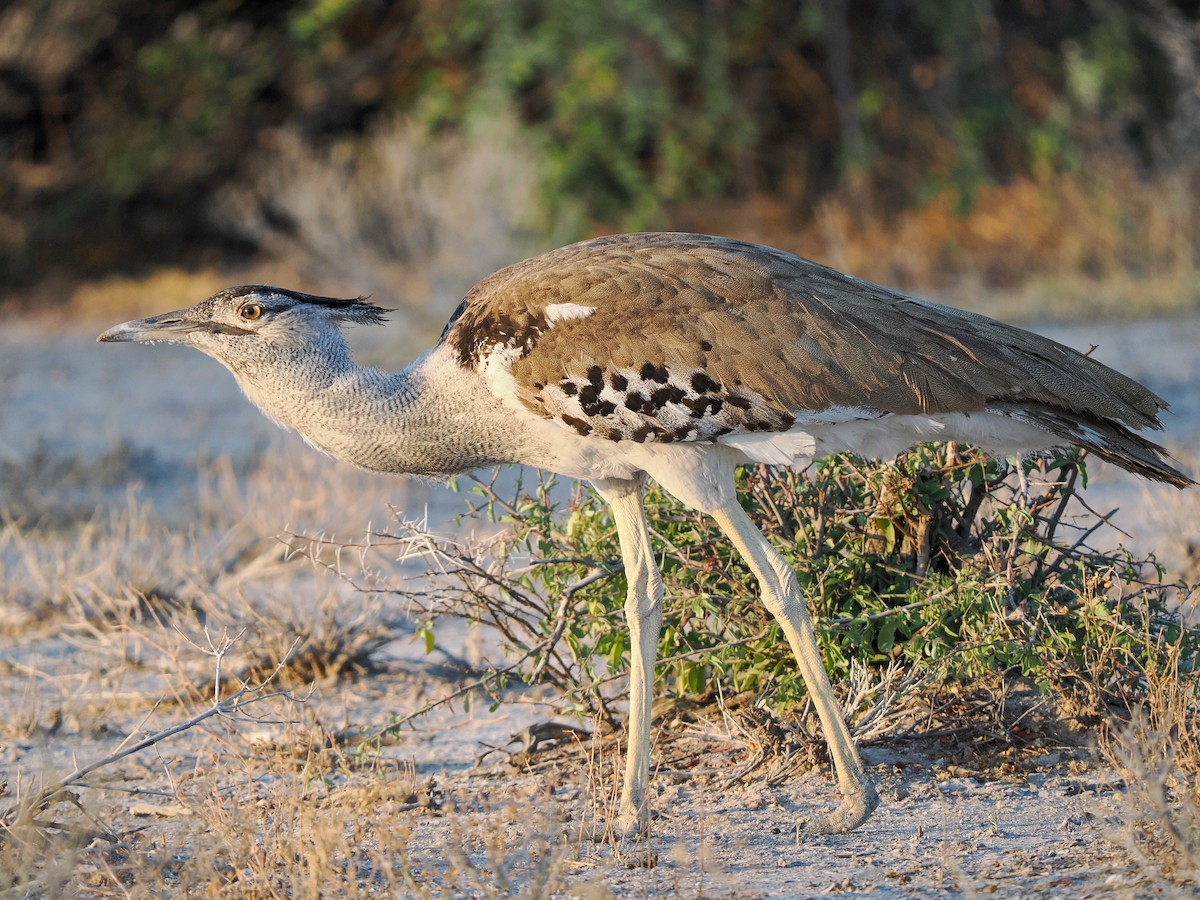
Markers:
<point>643,613</point>
<point>781,595</point>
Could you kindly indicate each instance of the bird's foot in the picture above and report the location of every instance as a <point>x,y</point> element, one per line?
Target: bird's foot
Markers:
<point>631,822</point>
<point>627,826</point>
<point>856,807</point>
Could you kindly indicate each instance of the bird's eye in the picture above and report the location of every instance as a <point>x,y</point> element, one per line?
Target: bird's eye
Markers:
<point>252,311</point>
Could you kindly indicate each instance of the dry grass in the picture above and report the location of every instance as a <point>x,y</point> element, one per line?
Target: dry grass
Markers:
<point>409,217</point>
<point>122,627</point>
<point>1173,519</point>
<point>126,297</point>
<point>279,803</point>
<point>1157,753</point>
<point>278,820</point>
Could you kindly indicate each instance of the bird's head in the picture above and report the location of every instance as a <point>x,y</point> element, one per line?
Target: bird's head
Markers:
<point>250,321</point>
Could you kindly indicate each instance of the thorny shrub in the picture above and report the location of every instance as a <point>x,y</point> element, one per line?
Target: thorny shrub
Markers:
<point>944,563</point>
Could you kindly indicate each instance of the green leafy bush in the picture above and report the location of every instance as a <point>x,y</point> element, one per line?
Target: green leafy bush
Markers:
<point>945,565</point>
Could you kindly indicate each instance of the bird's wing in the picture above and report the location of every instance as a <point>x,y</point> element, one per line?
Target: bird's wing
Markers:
<point>687,337</point>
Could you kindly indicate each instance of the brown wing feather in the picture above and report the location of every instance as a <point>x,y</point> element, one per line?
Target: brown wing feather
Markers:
<point>801,336</point>
<point>689,337</point>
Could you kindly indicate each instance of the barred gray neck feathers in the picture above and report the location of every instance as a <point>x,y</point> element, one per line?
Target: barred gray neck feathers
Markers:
<point>405,422</point>
<point>282,379</point>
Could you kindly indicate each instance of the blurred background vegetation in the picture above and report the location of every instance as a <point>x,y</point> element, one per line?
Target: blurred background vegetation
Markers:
<point>406,147</point>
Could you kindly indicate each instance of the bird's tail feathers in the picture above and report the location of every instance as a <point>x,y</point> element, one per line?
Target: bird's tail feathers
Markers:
<point>1109,440</point>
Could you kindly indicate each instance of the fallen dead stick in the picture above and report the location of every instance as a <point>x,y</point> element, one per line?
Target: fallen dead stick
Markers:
<point>23,812</point>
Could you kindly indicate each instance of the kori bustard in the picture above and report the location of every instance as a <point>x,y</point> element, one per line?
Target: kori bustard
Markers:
<point>675,357</point>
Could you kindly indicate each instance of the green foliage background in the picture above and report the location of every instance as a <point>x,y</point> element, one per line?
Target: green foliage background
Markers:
<point>119,119</point>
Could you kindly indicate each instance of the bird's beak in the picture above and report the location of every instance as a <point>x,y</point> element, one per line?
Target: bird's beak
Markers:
<point>167,327</point>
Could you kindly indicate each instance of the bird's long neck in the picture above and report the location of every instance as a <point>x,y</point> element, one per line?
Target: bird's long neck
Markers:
<point>411,421</point>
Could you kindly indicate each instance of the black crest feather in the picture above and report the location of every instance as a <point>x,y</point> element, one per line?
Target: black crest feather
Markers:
<point>355,310</point>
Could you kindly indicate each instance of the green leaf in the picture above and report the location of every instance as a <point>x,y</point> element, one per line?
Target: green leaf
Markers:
<point>887,633</point>
<point>425,632</point>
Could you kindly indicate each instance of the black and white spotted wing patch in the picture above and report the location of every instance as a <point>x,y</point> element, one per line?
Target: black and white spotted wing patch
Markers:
<point>653,403</point>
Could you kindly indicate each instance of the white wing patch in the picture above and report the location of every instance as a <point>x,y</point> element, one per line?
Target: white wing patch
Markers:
<point>836,415</point>
<point>495,366</point>
<point>558,312</point>
<point>795,448</point>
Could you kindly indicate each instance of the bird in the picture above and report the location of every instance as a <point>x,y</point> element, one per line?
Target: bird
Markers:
<point>673,357</point>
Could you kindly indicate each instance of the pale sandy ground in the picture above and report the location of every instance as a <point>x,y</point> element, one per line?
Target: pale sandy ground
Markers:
<point>79,422</point>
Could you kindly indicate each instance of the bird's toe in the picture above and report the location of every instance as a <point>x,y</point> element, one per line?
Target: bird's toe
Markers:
<point>855,809</point>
